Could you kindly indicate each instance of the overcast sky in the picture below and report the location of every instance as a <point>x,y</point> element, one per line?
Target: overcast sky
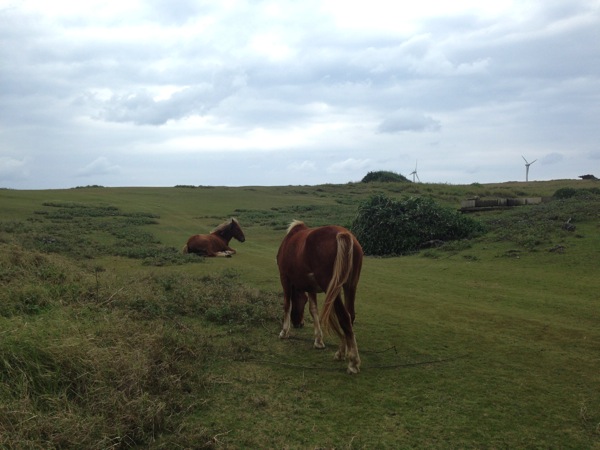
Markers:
<point>236,93</point>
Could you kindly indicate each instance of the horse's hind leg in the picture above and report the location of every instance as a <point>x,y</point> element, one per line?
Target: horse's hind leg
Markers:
<point>352,354</point>
<point>349,300</point>
<point>314,312</point>
<point>348,348</point>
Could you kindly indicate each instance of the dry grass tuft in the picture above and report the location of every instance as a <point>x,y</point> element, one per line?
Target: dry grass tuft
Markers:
<point>88,363</point>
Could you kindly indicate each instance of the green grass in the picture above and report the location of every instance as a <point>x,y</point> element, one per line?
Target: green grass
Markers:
<point>487,343</point>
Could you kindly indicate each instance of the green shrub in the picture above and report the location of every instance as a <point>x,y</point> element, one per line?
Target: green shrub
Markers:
<point>565,193</point>
<point>385,226</point>
<point>568,192</point>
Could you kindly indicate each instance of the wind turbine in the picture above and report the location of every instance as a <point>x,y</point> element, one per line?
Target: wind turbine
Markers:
<point>527,164</point>
<point>414,173</point>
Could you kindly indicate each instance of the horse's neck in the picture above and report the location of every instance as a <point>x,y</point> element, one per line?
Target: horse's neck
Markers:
<point>224,236</point>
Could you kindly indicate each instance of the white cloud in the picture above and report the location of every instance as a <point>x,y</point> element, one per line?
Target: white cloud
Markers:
<point>349,165</point>
<point>100,166</point>
<point>12,169</point>
<point>303,166</point>
<point>405,17</point>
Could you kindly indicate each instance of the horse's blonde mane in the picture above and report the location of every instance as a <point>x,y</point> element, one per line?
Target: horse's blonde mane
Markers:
<point>225,225</point>
<point>294,224</point>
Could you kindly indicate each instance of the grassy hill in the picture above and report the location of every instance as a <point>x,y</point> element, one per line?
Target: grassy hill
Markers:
<point>109,337</point>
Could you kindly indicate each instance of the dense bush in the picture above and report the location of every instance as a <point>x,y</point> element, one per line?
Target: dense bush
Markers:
<point>384,176</point>
<point>569,192</point>
<point>385,226</point>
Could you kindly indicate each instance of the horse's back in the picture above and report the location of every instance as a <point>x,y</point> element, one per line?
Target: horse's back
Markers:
<point>308,255</point>
<point>322,242</point>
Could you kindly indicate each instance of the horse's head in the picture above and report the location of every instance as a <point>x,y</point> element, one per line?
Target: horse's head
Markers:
<point>299,300</point>
<point>236,230</point>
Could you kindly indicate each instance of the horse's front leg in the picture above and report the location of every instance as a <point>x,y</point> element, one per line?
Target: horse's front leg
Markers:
<point>314,312</point>
<point>227,252</point>
<point>287,313</point>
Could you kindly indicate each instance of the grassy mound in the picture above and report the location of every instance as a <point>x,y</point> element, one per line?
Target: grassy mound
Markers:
<point>384,176</point>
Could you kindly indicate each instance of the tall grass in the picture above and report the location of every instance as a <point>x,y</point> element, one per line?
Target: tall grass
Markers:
<point>87,362</point>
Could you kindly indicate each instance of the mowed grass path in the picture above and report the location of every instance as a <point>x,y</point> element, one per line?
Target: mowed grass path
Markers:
<point>490,345</point>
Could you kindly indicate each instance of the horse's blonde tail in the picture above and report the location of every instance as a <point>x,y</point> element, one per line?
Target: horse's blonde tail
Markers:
<point>342,268</point>
<point>185,249</point>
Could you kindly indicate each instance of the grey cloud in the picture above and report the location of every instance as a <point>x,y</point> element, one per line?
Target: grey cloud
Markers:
<point>552,158</point>
<point>408,121</point>
<point>142,109</point>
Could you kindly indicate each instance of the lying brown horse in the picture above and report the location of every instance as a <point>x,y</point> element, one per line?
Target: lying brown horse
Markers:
<point>324,259</point>
<point>217,242</point>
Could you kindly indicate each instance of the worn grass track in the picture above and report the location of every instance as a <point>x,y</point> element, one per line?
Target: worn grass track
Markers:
<point>492,343</point>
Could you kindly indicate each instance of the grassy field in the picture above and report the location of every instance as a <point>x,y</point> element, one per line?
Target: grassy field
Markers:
<point>110,338</point>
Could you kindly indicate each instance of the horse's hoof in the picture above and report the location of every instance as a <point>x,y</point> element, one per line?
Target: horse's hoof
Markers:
<point>353,370</point>
<point>283,335</point>
<point>319,345</point>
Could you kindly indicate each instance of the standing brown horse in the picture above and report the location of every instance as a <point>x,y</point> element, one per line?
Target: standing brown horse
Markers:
<point>217,242</point>
<point>323,259</point>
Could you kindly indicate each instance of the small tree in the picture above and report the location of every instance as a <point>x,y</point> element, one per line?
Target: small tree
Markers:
<point>385,226</point>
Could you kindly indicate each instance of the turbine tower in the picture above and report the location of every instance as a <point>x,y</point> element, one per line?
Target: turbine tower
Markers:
<point>527,164</point>
<point>414,173</point>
